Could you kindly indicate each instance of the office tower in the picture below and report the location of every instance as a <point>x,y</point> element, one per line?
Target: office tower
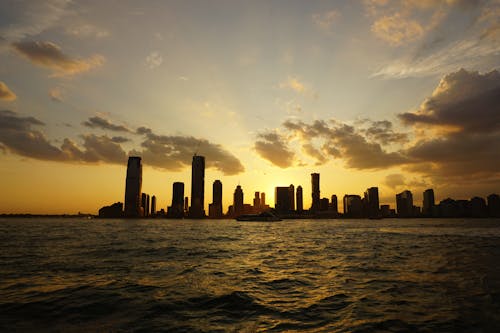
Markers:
<point>263,200</point>
<point>334,204</point>
<point>315,191</point>
<point>493,205</point>
<point>256,202</point>
<point>144,201</point>
<point>291,195</point>
<point>282,199</point>
<point>428,202</point>
<point>133,184</point>
<point>197,209</point>
<point>353,206</point>
<point>324,204</point>
<point>177,210</point>
<point>186,205</point>
<point>148,206</point>
<point>215,208</point>
<point>238,201</point>
<point>372,202</point>
<point>153,205</point>
<point>404,204</point>
<point>300,202</point>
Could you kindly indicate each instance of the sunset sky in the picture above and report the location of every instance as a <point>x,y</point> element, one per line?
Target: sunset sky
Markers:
<point>395,94</point>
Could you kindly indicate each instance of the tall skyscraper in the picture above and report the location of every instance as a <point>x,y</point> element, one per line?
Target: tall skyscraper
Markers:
<point>153,205</point>
<point>404,204</point>
<point>238,201</point>
<point>197,209</point>
<point>300,202</point>
<point>133,186</point>
<point>256,202</point>
<point>148,206</point>
<point>177,210</point>
<point>262,199</point>
<point>353,206</point>
<point>334,204</point>
<point>315,191</point>
<point>428,202</point>
<point>291,189</point>
<point>144,202</point>
<point>215,208</point>
<point>372,202</point>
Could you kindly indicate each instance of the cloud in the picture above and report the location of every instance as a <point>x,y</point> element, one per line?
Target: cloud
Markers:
<point>381,131</point>
<point>295,84</point>
<point>176,152</point>
<point>154,59</point>
<point>466,101</point>
<point>5,93</point>
<point>49,55</point>
<point>340,140</point>
<point>394,180</point>
<point>56,94</point>
<point>397,30</point>
<point>325,20</point>
<point>461,124</point>
<point>21,19</point>
<point>120,139</point>
<point>105,124</point>
<point>18,135</point>
<point>85,30</point>
<point>274,148</point>
<point>434,48</point>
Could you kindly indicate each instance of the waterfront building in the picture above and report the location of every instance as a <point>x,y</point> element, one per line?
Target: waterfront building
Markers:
<point>428,203</point>
<point>133,186</point>
<point>299,199</point>
<point>315,193</point>
<point>238,201</point>
<point>404,204</point>
<point>197,209</point>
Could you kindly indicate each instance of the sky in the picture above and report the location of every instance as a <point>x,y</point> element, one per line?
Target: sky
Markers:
<point>396,94</point>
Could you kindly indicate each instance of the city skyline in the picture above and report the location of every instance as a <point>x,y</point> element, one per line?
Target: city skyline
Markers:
<point>394,94</point>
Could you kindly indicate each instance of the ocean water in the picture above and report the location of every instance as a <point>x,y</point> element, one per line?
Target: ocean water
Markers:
<point>77,275</point>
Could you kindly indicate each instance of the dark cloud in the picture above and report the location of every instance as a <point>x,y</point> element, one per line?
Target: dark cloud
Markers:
<point>339,140</point>
<point>382,132</point>
<point>274,148</point>
<point>176,152</point>
<point>19,135</point>
<point>120,139</point>
<point>50,55</point>
<point>105,124</point>
<point>466,101</point>
<point>5,93</point>
<point>394,180</point>
<point>467,106</point>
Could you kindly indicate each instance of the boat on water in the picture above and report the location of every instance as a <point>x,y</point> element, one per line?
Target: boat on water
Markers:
<point>262,217</point>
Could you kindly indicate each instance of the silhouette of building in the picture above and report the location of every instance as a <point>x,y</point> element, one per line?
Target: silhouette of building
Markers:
<point>353,206</point>
<point>262,200</point>
<point>256,202</point>
<point>215,208</point>
<point>176,210</point>
<point>238,201</point>
<point>153,205</point>
<point>324,204</point>
<point>291,195</point>
<point>334,204</point>
<point>494,205</point>
<point>385,211</point>
<point>428,203</point>
<point>113,211</point>
<point>404,204</point>
<point>372,202</point>
<point>144,202</point>
<point>282,199</point>
<point>186,206</point>
<point>300,200</point>
<point>133,186</point>
<point>315,191</point>
<point>197,209</point>
<point>477,207</point>
<point>147,211</point>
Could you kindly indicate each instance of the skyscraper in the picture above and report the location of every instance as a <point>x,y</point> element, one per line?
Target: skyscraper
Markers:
<point>353,206</point>
<point>256,202</point>
<point>334,204</point>
<point>177,210</point>
<point>197,209</point>
<point>282,199</point>
<point>428,202</point>
<point>404,204</point>
<point>133,185</point>
<point>315,191</point>
<point>238,201</point>
<point>153,205</point>
<point>300,202</point>
<point>372,202</point>
<point>291,189</point>
<point>215,208</point>
<point>262,199</point>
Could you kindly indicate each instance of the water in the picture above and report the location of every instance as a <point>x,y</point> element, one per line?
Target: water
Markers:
<point>198,276</point>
